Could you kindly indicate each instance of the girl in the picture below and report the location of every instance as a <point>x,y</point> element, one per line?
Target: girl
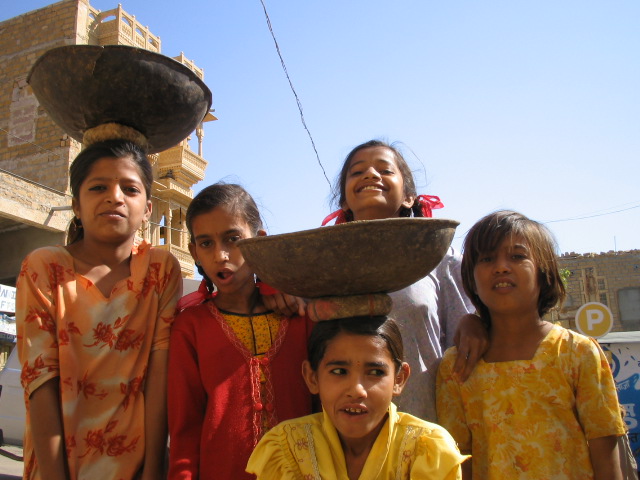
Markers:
<point>375,182</point>
<point>93,329</point>
<point>234,366</point>
<point>542,402</point>
<point>356,367</point>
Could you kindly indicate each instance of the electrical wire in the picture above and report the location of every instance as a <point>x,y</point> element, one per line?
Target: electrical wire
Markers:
<point>284,67</point>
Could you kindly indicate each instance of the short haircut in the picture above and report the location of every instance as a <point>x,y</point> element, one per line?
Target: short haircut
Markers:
<point>487,235</point>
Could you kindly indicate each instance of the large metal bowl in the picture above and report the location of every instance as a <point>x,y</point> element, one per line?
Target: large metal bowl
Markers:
<point>83,86</point>
<point>353,258</point>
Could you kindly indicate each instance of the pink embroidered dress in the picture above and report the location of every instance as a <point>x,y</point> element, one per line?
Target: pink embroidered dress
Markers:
<point>99,348</point>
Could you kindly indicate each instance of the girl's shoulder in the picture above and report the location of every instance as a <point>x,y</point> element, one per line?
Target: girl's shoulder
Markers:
<point>46,256</point>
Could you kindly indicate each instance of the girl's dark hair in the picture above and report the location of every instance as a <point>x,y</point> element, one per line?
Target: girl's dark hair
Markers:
<point>374,326</point>
<point>339,197</point>
<point>81,167</point>
<point>230,196</point>
<point>487,235</point>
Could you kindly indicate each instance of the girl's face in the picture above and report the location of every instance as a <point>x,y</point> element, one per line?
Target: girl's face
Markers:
<point>507,280</point>
<point>356,380</point>
<point>374,187</point>
<point>215,237</point>
<point>112,202</point>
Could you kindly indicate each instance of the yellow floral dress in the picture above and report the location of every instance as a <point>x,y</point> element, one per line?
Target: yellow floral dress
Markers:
<point>531,419</point>
<point>99,348</point>
<point>308,448</point>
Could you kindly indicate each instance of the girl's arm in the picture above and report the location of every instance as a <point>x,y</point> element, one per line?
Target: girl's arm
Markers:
<point>47,430</point>
<point>472,340</point>
<point>605,459</point>
<point>155,416</point>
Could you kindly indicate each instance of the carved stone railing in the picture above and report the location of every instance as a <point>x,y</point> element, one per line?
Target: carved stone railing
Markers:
<point>117,27</point>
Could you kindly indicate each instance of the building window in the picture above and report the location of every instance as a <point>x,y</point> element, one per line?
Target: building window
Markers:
<point>603,299</point>
<point>629,305</point>
<point>602,283</point>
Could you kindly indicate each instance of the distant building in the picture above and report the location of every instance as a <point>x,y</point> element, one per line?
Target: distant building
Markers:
<point>611,278</point>
<point>35,154</point>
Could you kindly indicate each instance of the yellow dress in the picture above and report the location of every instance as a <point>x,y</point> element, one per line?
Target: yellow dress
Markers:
<point>99,348</point>
<point>308,448</point>
<point>531,419</point>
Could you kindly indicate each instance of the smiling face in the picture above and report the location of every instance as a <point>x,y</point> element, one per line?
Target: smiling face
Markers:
<point>112,201</point>
<point>374,187</point>
<point>506,280</point>
<point>215,236</point>
<point>356,380</point>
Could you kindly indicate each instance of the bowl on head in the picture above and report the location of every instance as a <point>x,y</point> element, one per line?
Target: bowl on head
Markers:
<point>84,86</point>
<point>355,258</point>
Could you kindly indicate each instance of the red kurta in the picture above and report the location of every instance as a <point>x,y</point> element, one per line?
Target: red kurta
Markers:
<point>215,411</point>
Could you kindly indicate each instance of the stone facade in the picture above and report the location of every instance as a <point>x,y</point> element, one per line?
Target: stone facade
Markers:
<point>35,153</point>
<point>611,278</point>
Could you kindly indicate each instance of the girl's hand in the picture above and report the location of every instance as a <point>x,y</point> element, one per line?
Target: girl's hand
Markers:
<point>284,304</point>
<point>472,340</point>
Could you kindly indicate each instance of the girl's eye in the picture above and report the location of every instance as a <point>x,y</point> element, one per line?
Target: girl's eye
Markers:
<point>378,372</point>
<point>96,188</point>
<point>134,190</point>
<point>484,259</point>
<point>338,371</point>
<point>234,238</point>
<point>205,244</point>
<point>386,171</point>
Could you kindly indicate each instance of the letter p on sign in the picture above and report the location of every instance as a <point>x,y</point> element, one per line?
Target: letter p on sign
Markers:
<point>594,319</point>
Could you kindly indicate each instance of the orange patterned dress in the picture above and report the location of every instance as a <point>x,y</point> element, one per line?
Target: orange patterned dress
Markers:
<point>99,348</point>
<point>531,419</point>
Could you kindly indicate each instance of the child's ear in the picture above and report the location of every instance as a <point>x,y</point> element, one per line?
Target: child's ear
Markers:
<point>75,207</point>
<point>408,201</point>
<point>310,377</point>
<point>261,233</point>
<point>192,251</point>
<point>401,378</point>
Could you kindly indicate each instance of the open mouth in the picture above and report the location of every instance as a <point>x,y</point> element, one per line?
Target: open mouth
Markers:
<point>355,411</point>
<point>377,188</point>
<point>503,285</point>
<point>224,274</point>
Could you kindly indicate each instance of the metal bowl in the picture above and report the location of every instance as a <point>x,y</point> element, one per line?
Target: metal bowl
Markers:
<point>83,86</point>
<point>354,258</point>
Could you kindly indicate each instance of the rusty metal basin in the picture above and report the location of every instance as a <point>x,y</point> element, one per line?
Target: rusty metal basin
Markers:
<point>352,258</point>
<point>84,86</point>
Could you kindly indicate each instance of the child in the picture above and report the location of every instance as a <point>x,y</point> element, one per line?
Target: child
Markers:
<point>375,182</point>
<point>234,366</point>
<point>356,367</point>
<point>542,402</point>
<point>93,329</point>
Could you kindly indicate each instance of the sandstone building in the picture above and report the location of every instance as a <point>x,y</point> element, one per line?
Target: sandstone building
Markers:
<point>35,154</point>
<point>611,278</point>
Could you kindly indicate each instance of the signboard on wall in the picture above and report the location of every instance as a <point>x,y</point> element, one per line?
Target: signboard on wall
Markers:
<point>623,351</point>
<point>7,299</point>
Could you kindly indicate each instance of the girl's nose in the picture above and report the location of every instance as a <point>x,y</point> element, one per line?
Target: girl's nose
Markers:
<point>371,172</point>
<point>222,255</point>
<point>502,264</point>
<point>357,390</point>
<point>116,195</point>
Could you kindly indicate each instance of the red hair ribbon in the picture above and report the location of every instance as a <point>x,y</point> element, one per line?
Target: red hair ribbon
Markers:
<point>195,298</point>
<point>428,203</point>
<point>339,215</point>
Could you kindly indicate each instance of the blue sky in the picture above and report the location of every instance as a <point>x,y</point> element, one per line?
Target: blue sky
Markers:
<point>531,106</point>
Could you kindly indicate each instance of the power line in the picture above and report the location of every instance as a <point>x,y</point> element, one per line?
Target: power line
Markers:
<point>592,216</point>
<point>284,67</point>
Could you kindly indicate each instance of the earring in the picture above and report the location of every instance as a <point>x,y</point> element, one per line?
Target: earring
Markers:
<point>77,223</point>
<point>198,263</point>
